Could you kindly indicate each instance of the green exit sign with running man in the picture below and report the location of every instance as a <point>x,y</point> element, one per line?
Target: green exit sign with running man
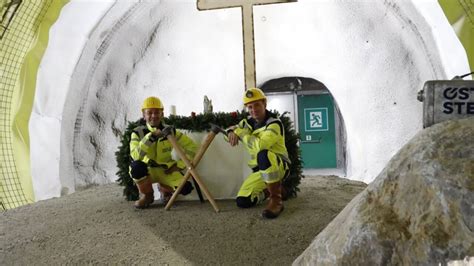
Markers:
<point>316,119</point>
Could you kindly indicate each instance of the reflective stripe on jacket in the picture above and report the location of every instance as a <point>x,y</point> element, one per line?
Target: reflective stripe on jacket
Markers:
<point>158,153</point>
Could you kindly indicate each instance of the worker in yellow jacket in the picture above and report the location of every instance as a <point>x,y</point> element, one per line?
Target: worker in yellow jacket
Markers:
<point>262,133</point>
<point>151,156</point>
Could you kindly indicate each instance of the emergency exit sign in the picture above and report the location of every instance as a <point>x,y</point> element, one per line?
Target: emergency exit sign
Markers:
<point>316,119</point>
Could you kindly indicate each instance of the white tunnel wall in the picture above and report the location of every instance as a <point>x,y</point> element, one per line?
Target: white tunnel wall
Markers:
<point>372,55</point>
<point>66,43</point>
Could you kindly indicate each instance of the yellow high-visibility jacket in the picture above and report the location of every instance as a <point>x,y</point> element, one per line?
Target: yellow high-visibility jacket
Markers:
<point>267,135</point>
<point>157,152</point>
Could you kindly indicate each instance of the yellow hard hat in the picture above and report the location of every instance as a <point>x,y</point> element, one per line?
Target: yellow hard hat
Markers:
<point>152,102</point>
<point>253,94</point>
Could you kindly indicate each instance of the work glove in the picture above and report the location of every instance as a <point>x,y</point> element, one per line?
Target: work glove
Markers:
<point>167,131</point>
<point>158,134</point>
<point>217,129</point>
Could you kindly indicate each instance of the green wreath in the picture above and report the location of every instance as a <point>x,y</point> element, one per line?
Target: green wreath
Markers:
<point>200,123</point>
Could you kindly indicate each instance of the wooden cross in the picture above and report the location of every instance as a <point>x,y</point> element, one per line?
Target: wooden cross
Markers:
<point>247,26</point>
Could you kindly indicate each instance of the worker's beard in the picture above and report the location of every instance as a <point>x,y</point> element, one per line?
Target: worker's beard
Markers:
<point>154,123</point>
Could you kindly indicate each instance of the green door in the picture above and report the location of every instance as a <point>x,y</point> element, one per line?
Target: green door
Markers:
<point>317,131</point>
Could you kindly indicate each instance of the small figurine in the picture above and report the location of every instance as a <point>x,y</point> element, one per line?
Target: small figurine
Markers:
<point>207,105</point>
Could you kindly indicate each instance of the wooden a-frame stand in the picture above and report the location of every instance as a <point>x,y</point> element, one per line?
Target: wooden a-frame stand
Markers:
<point>191,171</point>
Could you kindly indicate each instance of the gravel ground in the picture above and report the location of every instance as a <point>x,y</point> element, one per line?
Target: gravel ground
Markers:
<point>99,226</point>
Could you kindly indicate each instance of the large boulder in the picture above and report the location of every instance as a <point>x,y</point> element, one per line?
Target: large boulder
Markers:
<point>418,211</point>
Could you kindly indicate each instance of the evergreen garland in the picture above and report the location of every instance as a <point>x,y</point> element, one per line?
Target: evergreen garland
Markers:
<point>123,159</point>
<point>200,123</point>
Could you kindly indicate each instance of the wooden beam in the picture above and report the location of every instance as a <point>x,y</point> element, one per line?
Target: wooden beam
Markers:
<point>247,29</point>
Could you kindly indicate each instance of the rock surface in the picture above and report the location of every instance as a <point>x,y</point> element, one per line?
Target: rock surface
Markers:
<point>418,211</point>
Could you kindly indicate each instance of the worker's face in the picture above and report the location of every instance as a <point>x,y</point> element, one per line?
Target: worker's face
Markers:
<point>257,109</point>
<point>153,116</point>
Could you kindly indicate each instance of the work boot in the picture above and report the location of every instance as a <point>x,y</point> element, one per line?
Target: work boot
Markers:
<point>275,204</point>
<point>166,193</point>
<point>146,193</point>
<point>284,193</point>
<point>265,194</point>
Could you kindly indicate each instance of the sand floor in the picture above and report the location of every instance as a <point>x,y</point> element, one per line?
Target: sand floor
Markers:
<point>99,226</point>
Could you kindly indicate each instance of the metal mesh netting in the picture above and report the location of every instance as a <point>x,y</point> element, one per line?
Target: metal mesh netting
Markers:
<point>19,24</point>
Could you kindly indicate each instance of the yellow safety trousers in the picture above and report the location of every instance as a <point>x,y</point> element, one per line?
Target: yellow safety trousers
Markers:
<point>255,183</point>
<point>269,137</point>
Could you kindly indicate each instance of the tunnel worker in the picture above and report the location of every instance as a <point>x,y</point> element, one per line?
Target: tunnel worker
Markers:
<point>262,133</point>
<point>151,156</point>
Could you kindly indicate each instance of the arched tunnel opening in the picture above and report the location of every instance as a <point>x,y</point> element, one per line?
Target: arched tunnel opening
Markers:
<point>317,119</point>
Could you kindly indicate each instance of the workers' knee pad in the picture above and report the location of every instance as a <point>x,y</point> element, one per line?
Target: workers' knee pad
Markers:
<point>188,187</point>
<point>245,202</point>
<point>138,169</point>
<point>262,160</point>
